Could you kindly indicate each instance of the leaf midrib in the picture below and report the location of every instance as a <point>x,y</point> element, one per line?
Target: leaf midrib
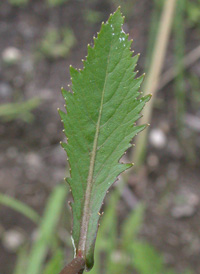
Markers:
<point>86,209</point>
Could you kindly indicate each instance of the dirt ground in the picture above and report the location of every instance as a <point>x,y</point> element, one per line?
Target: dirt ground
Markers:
<point>32,161</point>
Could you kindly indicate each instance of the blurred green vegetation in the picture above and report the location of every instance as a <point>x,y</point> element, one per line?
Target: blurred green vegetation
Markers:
<point>50,3</point>
<point>18,2</point>
<point>125,252</point>
<point>57,43</point>
<point>116,252</point>
<point>183,19</point>
<point>126,5</point>
<point>92,16</point>
<point>193,12</point>
<point>179,51</point>
<point>31,260</point>
<point>54,3</point>
<point>195,87</point>
<point>22,110</point>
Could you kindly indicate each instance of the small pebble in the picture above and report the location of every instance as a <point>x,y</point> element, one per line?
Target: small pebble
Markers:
<point>157,138</point>
<point>186,204</point>
<point>12,240</point>
<point>11,55</point>
<point>33,160</point>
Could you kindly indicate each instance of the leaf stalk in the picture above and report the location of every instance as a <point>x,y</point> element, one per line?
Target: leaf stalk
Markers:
<point>76,266</point>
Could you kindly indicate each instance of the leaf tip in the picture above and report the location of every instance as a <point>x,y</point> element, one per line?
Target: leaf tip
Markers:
<point>148,97</point>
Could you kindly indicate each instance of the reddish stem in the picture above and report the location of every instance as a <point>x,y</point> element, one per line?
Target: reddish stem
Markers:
<point>76,266</point>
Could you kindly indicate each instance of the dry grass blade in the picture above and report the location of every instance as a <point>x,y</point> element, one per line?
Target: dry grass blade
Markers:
<point>151,82</point>
<point>188,61</point>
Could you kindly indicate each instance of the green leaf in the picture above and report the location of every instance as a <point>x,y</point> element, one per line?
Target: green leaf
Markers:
<point>20,266</point>
<point>47,229</point>
<point>18,2</point>
<point>20,207</point>
<point>146,259</point>
<point>55,3</point>
<point>107,236</point>
<point>55,264</point>
<point>132,225</point>
<point>12,111</point>
<point>101,113</point>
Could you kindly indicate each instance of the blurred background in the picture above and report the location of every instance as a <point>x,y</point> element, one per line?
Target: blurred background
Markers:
<point>151,223</point>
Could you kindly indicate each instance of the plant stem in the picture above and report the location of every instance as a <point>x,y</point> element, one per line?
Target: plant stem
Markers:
<point>180,89</point>
<point>151,82</point>
<point>168,76</point>
<point>76,266</point>
<point>153,31</point>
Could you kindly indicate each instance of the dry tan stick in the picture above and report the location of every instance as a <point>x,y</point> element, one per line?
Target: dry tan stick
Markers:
<point>151,82</point>
<point>171,73</point>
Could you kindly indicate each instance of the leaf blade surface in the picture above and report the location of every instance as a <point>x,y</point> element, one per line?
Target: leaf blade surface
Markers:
<point>99,126</point>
